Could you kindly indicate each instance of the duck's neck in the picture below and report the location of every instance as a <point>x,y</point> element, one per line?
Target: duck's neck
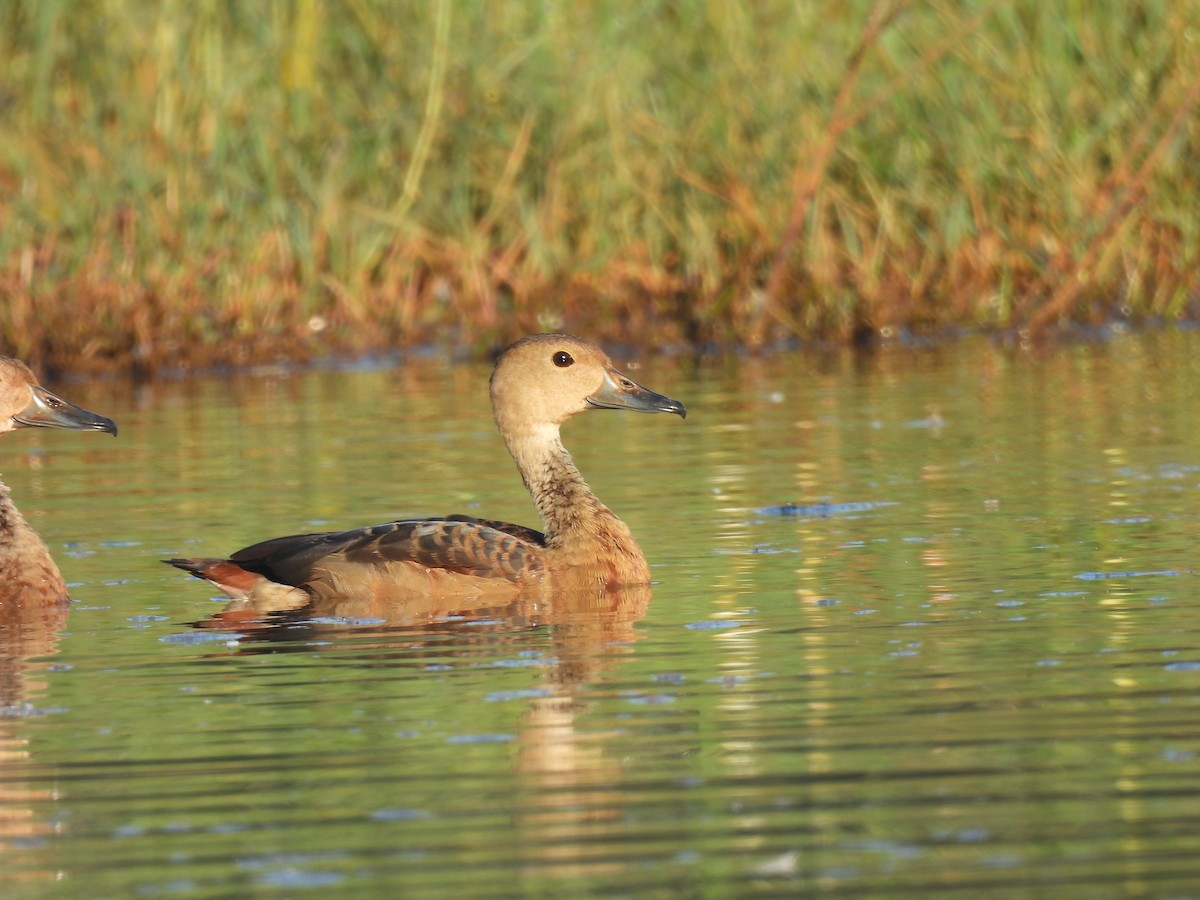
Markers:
<point>27,571</point>
<point>567,505</point>
<point>576,521</point>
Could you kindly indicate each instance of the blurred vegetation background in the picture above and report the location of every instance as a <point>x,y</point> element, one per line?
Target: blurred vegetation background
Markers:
<point>200,182</point>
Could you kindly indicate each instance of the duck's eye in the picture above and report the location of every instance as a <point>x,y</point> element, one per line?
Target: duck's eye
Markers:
<point>562,359</point>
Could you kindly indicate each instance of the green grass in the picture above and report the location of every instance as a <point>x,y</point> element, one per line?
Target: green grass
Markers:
<point>208,181</point>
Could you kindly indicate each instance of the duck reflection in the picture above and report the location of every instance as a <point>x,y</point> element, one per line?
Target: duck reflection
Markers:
<point>578,620</point>
<point>28,632</point>
<point>562,761</point>
<point>570,778</point>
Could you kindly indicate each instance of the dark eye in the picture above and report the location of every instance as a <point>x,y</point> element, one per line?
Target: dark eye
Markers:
<point>562,359</point>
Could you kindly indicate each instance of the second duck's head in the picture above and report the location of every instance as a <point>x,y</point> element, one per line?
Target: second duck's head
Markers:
<point>26,404</point>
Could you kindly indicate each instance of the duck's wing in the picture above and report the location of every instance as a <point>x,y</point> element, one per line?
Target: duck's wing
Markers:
<point>458,544</point>
<point>518,531</point>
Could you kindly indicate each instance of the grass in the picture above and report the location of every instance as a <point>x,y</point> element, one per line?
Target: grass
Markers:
<point>183,184</point>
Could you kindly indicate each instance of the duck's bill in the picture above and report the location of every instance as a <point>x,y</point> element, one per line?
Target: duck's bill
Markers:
<point>48,410</point>
<point>621,392</point>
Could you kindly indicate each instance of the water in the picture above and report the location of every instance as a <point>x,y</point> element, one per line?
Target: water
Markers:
<point>922,623</point>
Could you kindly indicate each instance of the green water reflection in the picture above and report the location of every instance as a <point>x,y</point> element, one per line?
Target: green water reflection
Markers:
<point>921,622</point>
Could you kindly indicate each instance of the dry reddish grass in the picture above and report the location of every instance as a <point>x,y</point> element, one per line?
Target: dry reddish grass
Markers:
<point>743,176</point>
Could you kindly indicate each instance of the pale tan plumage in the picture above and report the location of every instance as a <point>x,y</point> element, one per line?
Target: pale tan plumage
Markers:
<point>538,383</point>
<point>28,575</point>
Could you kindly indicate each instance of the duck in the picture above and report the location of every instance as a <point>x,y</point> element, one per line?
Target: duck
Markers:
<point>536,385</point>
<point>29,576</point>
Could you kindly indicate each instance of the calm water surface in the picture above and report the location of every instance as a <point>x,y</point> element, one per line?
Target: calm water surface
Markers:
<point>922,623</point>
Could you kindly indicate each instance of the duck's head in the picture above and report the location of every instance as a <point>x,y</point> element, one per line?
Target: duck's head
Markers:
<point>544,379</point>
<point>26,404</point>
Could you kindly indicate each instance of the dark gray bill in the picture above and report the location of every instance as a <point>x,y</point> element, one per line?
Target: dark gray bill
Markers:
<point>48,410</point>
<point>621,392</point>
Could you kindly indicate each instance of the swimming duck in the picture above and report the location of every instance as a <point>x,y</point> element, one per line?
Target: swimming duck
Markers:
<point>537,384</point>
<point>28,574</point>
